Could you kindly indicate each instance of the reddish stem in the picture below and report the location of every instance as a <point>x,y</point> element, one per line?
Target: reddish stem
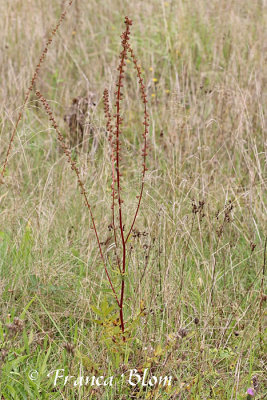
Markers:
<point>125,38</point>
<point>125,48</point>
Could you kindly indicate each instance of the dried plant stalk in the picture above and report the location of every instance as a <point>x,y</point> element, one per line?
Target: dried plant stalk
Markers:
<point>114,138</point>
<point>30,88</point>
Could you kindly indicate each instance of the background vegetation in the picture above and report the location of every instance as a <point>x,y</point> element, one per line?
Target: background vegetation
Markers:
<point>196,260</point>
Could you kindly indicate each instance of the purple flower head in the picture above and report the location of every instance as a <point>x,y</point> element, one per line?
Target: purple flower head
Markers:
<point>251,392</point>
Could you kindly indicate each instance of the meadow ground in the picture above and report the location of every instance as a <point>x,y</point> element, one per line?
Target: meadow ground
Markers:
<point>195,302</point>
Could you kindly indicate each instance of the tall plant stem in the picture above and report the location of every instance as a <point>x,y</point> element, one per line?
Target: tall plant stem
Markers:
<point>115,158</point>
<point>125,37</point>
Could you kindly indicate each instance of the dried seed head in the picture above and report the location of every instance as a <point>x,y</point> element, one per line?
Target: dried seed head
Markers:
<point>3,354</point>
<point>182,333</point>
<point>255,382</point>
<point>69,347</point>
<point>252,246</point>
<point>18,322</point>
